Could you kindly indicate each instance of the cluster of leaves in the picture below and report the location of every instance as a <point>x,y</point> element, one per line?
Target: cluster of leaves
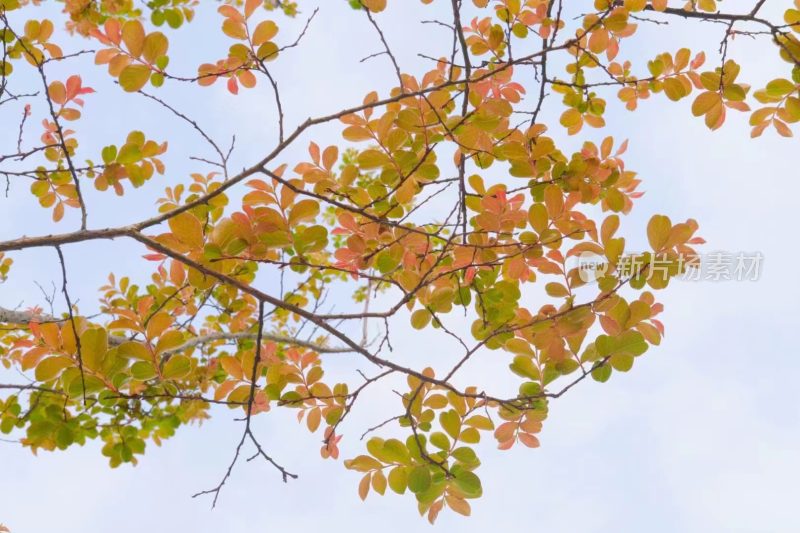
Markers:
<point>255,48</point>
<point>134,56</point>
<point>34,44</point>
<point>136,160</point>
<point>522,207</point>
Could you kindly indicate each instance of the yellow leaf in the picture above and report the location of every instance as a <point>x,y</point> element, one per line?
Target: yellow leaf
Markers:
<point>134,77</point>
<point>265,31</point>
<point>94,345</point>
<point>570,117</point>
<point>155,46</point>
<point>234,28</point>
<point>57,92</point>
<point>376,6</point>
<point>187,229</point>
<point>50,368</point>
<point>635,5</point>
<point>674,89</point>
<point>705,102</point>
<point>658,231</point>
<point>133,37</point>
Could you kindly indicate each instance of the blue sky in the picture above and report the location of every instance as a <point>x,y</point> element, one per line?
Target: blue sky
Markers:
<point>701,436</point>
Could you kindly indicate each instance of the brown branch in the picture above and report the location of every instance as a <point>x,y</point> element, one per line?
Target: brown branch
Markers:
<point>72,321</point>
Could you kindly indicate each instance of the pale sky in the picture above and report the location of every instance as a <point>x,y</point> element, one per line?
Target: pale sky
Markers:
<point>702,436</point>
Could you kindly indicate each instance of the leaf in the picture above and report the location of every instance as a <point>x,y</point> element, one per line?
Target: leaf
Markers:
<point>363,487</point>
<point>469,483</point>
<point>674,89</point>
<point>554,201</point>
<point>570,118</point>
<point>379,482</point>
<point>479,422</point>
<point>705,102</point>
<point>50,368</point>
<point>369,159</point>
<point>178,367</point>
<point>268,51</point>
<point>376,6</point>
<point>143,370</point>
<point>529,440</point>
<point>134,77</point>
<point>658,231</point>
<point>615,200</point>
<point>635,5</point>
<point>264,32</point>
<point>420,318</point>
<point>57,92</point>
<point>780,87</point>
<point>250,7</point>
<point>155,46</point>
<point>398,479</point>
<point>537,216</point>
<point>129,153</point>
<point>187,229</point>
<point>94,345</point>
<point>303,210</point>
<point>419,480</point>
<point>133,36</point>
<point>134,350</point>
<point>451,423</point>
<point>601,373</point>
<point>234,29</point>
<point>621,362</point>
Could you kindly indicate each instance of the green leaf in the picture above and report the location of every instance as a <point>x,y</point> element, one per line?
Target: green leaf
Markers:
<point>440,440</point>
<point>109,154</point>
<point>466,456</point>
<point>523,367</point>
<point>395,451</point>
<point>601,373</point>
<point>780,87</point>
<point>469,483</point>
<point>129,153</point>
<point>143,370</point>
<point>419,480</point>
<point>398,479</point>
<point>178,366</point>
<point>312,239</point>
<point>420,318</point>
<point>621,361</point>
